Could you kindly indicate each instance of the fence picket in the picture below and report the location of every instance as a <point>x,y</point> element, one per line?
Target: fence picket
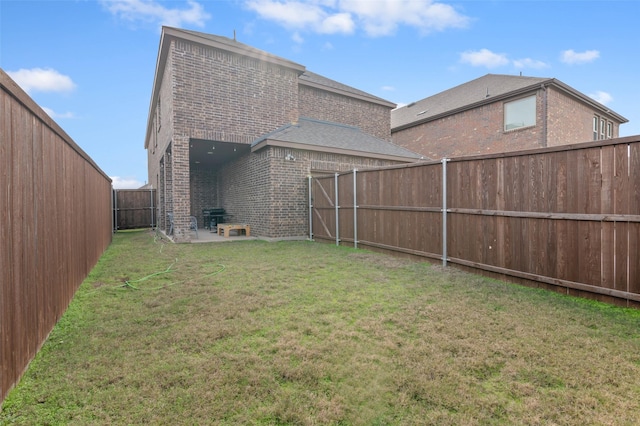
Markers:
<point>564,217</point>
<point>55,216</point>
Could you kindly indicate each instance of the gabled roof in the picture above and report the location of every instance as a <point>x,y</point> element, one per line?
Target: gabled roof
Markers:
<point>481,91</point>
<point>305,77</point>
<point>231,45</point>
<point>315,135</point>
<point>311,79</point>
<point>211,40</point>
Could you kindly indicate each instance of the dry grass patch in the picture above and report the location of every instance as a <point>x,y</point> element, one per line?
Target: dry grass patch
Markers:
<point>307,333</point>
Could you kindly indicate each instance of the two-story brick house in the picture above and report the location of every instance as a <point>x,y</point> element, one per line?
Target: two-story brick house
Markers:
<point>231,126</point>
<point>498,113</point>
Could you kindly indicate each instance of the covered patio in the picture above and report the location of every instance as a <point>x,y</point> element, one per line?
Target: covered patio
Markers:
<point>206,160</point>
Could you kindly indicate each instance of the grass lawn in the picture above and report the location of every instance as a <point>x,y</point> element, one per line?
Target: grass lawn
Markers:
<point>308,333</point>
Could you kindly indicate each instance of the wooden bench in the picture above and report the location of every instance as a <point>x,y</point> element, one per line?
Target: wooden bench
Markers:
<point>224,228</point>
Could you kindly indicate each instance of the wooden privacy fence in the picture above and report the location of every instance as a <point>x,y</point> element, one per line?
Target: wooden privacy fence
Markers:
<point>55,223</point>
<point>564,218</point>
<point>134,208</point>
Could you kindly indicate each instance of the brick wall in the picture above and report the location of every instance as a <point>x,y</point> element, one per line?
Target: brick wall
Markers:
<point>244,191</point>
<point>571,121</point>
<point>204,191</point>
<point>235,97</point>
<point>181,189</point>
<point>477,131</point>
<point>159,164</point>
<point>269,192</point>
<point>480,131</point>
<point>213,94</point>
<point>371,118</point>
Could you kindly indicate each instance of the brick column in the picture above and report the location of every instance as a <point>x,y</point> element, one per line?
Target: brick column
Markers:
<point>180,189</point>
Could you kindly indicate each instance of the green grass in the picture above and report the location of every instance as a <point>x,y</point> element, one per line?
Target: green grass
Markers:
<point>305,333</point>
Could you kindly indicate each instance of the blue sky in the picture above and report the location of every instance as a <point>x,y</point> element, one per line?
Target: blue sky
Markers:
<point>90,63</point>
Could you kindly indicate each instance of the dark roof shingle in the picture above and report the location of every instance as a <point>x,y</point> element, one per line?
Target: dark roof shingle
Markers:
<point>334,136</point>
<point>318,80</point>
<point>473,92</point>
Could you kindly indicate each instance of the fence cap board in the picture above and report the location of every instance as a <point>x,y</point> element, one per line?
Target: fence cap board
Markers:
<point>560,148</point>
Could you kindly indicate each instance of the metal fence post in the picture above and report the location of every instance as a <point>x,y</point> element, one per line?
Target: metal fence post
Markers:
<point>444,212</point>
<point>337,214</point>
<point>355,210</point>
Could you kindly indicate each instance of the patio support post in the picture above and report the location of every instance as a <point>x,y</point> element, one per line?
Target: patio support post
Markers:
<point>444,211</point>
<point>355,211</point>
<point>180,189</point>
<point>337,214</point>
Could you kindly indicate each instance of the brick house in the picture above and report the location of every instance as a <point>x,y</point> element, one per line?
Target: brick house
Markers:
<point>498,113</point>
<point>231,126</point>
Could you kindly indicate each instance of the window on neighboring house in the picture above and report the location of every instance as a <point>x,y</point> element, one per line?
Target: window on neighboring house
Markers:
<point>520,113</point>
<point>596,120</point>
<point>609,131</point>
<point>602,128</point>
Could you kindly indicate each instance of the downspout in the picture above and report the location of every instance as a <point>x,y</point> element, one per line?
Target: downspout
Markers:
<point>545,139</point>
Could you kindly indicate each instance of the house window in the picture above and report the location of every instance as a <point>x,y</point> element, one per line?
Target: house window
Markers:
<point>609,131</point>
<point>602,128</point>
<point>520,113</point>
<point>596,120</point>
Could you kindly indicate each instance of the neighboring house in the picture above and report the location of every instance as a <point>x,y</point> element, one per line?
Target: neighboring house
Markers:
<point>234,127</point>
<point>498,113</point>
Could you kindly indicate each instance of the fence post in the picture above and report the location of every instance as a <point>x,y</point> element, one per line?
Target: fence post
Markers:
<point>310,210</point>
<point>114,193</point>
<point>337,214</point>
<point>355,211</point>
<point>114,212</point>
<point>444,211</point>
<point>152,208</point>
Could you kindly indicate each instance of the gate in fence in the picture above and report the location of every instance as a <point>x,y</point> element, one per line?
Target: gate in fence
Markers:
<point>134,208</point>
<point>563,218</point>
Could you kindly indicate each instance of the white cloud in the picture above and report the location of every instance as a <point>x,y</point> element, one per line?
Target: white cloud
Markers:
<point>603,97</point>
<point>529,63</point>
<point>152,11</point>
<point>484,58</point>
<point>337,23</point>
<point>382,17</point>
<point>377,18</point>
<point>125,183</point>
<point>388,88</point>
<point>327,46</point>
<point>56,115</point>
<point>302,15</point>
<point>42,80</point>
<point>572,57</point>
<point>296,37</point>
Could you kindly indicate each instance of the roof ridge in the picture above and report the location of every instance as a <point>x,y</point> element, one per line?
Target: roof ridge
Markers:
<point>273,132</point>
<point>313,78</point>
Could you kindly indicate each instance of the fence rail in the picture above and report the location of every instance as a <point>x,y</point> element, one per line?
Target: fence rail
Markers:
<point>55,221</point>
<point>564,218</point>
